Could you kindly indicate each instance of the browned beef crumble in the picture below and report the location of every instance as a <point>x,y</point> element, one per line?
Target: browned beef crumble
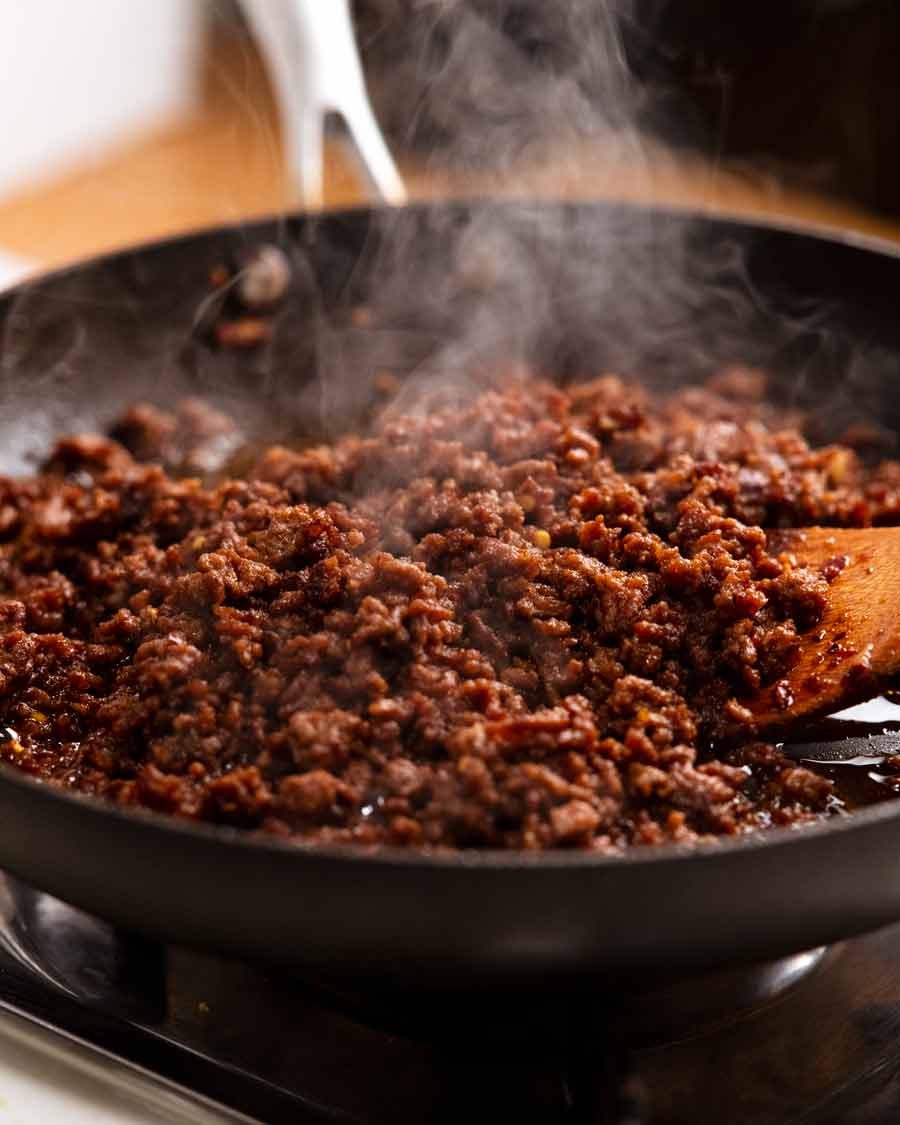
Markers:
<point>514,623</point>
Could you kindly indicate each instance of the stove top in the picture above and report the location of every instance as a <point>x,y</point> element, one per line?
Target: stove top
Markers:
<point>813,1039</point>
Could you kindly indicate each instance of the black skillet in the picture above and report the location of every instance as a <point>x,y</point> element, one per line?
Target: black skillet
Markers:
<point>452,290</point>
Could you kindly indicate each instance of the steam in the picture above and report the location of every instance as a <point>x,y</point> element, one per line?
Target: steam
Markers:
<point>539,98</point>
<point>513,93</point>
<point>490,83</point>
<point>519,97</point>
<point>506,94</point>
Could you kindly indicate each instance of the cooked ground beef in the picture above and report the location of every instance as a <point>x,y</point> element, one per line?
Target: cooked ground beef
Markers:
<point>522,621</point>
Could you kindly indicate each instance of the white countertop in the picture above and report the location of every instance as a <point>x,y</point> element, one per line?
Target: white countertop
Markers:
<point>12,269</point>
<point>47,1077</point>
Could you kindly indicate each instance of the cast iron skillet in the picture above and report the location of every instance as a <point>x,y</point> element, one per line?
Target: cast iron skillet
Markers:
<point>673,295</point>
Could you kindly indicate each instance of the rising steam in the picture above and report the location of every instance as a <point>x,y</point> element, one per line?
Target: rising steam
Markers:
<point>454,296</point>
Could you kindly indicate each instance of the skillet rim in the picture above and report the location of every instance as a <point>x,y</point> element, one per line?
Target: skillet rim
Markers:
<point>783,224</point>
<point>482,859</point>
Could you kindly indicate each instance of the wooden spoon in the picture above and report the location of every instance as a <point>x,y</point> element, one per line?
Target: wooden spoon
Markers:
<point>855,649</point>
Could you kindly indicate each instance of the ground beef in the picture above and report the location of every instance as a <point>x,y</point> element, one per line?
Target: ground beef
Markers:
<point>520,622</point>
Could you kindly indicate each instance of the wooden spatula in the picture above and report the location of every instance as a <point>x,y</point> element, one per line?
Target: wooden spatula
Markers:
<point>855,649</point>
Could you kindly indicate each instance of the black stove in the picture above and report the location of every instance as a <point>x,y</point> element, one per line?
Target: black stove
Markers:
<point>814,1038</point>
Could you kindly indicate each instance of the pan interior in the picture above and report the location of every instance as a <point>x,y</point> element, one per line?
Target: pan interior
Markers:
<point>77,347</point>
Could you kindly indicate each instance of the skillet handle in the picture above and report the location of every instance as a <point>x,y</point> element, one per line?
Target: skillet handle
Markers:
<point>311,52</point>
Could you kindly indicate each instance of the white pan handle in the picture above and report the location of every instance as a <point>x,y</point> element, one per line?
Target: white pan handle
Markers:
<point>310,48</point>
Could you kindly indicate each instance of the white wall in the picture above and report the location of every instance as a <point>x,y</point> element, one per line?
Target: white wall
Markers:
<point>79,75</point>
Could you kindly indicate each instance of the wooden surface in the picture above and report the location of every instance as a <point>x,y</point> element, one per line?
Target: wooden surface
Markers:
<point>226,165</point>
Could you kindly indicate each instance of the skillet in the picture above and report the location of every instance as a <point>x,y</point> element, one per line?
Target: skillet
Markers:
<point>451,289</point>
